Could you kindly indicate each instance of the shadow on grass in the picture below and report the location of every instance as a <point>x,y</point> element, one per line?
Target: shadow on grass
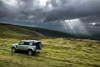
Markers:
<point>25,53</point>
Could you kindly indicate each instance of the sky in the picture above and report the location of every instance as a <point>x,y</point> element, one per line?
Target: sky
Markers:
<point>70,16</point>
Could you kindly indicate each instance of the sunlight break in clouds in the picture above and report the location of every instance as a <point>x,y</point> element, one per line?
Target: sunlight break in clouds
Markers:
<point>93,24</point>
<point>43,2</point>
<point>10,2</point>
<point>75,26</point>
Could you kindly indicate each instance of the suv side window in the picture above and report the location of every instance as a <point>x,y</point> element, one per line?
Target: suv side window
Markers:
<point>26,43</point>
<point>33,44</point>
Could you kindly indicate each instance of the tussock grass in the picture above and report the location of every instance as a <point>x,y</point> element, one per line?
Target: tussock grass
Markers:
<point>57,52</point>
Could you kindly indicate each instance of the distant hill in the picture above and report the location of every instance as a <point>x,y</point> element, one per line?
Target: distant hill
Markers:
<point>14,30</point>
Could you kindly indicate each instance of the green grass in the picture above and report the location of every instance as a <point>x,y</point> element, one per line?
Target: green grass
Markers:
<point>57,52</point>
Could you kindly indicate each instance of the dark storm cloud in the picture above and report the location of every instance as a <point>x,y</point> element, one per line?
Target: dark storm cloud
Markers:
<point>90,19</point>
<point>75,9</point>
<point>21,10</point>
<point>2,10</point>
<point>60,10</point>
<point>49,13</point>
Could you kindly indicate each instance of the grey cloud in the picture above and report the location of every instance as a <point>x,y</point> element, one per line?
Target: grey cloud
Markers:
<point>91,19</point>
<point>2,10</point>
<point>22,10</point>
<point>52,12</point>
<point>60,9</point>
<point>57,3</point>
<point>74,9</point>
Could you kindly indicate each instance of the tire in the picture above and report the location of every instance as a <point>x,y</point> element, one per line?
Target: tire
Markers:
<point>30,52</point>
<point>13,50</point>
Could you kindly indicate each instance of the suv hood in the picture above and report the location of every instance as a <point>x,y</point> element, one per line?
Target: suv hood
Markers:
<point>15,44</point>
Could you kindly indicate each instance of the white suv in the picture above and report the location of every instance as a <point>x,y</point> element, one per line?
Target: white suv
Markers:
<point>29,46</point>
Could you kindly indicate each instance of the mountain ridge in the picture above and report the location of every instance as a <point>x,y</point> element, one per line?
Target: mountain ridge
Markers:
<point>7,29</point>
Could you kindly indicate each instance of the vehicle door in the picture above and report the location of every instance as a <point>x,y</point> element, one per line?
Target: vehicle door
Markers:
<point>23,45</point>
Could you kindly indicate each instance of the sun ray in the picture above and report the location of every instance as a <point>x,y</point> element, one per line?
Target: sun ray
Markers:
<point>75,26</point>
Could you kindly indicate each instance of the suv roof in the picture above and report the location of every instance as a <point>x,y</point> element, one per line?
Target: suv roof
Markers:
<point>31,40</point>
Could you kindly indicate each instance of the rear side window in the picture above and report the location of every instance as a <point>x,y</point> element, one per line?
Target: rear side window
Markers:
<point>26,43</point>
<point>38,43</point>
<point>33,44</point>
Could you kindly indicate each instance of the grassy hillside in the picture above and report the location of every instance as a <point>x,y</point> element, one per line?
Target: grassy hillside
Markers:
<point>14,30</point>
<point>57,52</point>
